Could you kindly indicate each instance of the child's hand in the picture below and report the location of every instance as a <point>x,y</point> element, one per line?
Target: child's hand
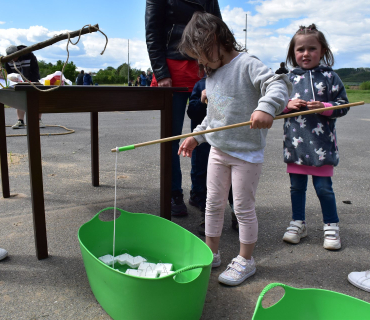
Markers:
<point>296,104</point>
<point>261,120</point>
<point>187,147</point>
<point>315,105</point>
<point>203,96</point>
<point>165,82</point>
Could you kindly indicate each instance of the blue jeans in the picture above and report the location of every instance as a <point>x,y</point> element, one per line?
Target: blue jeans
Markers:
<point>324,191</point>
<point>179,101</point>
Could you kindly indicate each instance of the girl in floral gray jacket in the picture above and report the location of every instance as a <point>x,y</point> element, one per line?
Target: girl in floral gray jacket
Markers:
<point>310,142</point>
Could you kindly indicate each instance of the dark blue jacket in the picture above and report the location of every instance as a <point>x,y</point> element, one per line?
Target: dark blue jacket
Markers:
<point>196,109</point>
<point>142,80</point>
<point>311,140</point>
<point>80,79</point>
<point>87,79</point>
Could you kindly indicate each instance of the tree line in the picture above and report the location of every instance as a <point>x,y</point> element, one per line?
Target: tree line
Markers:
<point>354,74</point>
<point>109,75</point>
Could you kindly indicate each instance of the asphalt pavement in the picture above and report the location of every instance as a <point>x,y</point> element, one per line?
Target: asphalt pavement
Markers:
<point>58,288</point>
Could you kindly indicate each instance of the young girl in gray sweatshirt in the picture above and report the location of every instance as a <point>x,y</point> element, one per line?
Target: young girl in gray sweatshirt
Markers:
<point>239,88</point>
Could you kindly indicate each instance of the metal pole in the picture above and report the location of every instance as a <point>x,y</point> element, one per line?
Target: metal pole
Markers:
<point>128,60</point>
<point>245,30</point>
<point>246,19</point>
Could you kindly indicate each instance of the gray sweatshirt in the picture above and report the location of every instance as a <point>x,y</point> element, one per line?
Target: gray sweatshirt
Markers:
<point>234,92</point>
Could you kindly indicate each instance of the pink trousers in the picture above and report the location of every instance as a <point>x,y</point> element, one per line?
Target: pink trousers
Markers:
<point>224,170</point>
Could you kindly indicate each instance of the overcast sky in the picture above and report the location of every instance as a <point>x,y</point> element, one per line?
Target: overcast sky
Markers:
<point>271,24</point>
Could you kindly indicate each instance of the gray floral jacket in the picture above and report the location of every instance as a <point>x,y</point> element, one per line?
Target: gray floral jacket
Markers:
<point>311,140</point>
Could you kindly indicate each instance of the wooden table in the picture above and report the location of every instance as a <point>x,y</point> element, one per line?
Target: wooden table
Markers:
<point>70,99</point>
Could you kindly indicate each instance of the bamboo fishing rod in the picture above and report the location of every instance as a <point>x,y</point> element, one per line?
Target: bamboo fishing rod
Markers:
<point>236,125</point>
<point>49,42</point>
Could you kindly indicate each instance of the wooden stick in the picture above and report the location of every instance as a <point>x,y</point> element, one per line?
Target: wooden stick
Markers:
<point>288,115</point>
<point>47,43</point>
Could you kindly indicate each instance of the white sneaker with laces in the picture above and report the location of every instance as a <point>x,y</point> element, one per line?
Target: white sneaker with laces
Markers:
<point>216,259</point>
<point>19,124</point>
<point>41,124</point>
<point>360,280</point>
<point>237,271</point>
<point>3,254</point>
<point>331,236</point>
<point>295,231</point>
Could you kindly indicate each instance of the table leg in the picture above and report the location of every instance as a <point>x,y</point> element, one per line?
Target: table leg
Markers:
<point>35,167</point>
<point>4,154</point>
<point>166,159</point>
<point>94,123</point>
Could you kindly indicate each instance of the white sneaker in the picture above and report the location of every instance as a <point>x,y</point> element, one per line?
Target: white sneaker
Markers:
<point>295,231</point>
<point>360,280</point>
<point>216,259</point>
<point>3,254</point>
<point>237,271</point>
<point>19,124</point>
<point>331,236</point>
<point>41,124</point>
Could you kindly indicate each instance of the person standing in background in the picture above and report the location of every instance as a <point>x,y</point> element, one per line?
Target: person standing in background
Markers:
<point>80,78</point>
<point>29,67</point>
<point>149,79</point>
<point>282,69</point>
<point>137,82</point>
<point>165,21</point>
<point>143,79</point>
<point>87,80</point>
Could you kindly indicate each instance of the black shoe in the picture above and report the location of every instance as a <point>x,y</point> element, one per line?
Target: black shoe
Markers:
<point>202,228</point>
<point>198,201</point>
<point>234,221</point>
<point>178,207</point>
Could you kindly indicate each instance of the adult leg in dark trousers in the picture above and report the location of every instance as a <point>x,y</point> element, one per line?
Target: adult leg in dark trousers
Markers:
<point>179,101</point>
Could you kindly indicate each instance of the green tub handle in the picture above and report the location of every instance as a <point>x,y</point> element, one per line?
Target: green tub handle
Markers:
<point>188,268</point>
<point>270,286</point>
<point>96,217</point>
<point>191,267</point>
<point>264,291</point>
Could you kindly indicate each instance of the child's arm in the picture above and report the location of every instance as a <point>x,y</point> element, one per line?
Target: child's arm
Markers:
<point>187,147</point>
<point>274,89</point>
<point>261,120</point>
<point>296,105</point>
<point>197,109</point>
<point>338,96</point>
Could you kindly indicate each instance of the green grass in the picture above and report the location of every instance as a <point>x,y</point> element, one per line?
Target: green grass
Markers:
<point>358,95</point>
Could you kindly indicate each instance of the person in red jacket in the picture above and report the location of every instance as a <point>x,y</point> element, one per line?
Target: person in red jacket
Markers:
<point>165,21</point>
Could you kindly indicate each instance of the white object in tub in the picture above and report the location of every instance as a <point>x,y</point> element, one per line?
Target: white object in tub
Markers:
<point>165,273</point>
<point>107,259</point>
<point>147,265</point>
<point>148,273</point>
<point>134,262</point>
<point>164,267</point>
<point>123,258</point>
<point>134,272</point>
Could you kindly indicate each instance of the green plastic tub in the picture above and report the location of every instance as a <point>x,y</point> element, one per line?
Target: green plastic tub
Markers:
<point>177,296</point>
<point>311,304</point>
